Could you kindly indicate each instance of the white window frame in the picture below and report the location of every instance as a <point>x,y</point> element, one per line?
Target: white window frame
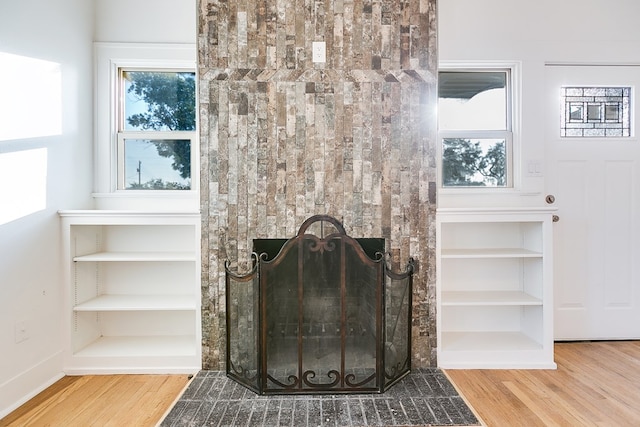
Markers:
<point>110,59</point>
<point>511,134</point>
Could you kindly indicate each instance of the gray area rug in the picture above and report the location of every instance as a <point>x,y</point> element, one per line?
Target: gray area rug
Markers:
<point>423,398</point>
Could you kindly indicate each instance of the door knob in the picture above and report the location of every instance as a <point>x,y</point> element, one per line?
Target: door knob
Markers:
<point>555,218</point>
<point>550,199</point>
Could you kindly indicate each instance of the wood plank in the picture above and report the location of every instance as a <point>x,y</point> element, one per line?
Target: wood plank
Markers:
<point>596,384</point>
<point>40,401</point>
<point>104,400</point>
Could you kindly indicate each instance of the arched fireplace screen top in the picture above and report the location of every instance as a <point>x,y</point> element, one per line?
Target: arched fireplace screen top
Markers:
<point>319,313</point>
<point>321,226</point>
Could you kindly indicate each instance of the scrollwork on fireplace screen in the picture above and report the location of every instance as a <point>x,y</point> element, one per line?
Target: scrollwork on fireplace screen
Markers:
<point>319,313</point>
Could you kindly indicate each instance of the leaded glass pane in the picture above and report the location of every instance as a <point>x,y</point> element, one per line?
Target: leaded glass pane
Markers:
<point>593,112</point>
<point>576,112</point>
<point>598,112</point>
<point>612,112</point>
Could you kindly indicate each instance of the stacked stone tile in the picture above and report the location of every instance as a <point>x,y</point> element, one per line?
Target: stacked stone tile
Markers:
<point>283,138</point>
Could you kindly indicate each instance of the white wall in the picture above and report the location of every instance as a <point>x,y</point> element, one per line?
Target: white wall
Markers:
<point>532,33</point>
<point>45,165</point>
<point>141,21</point>
<point>137,22</point>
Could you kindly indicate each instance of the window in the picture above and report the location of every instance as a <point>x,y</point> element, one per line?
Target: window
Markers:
<point>156,129</point>
<point>595,112</point>
<point>146,127</point>
<point>475,128</point>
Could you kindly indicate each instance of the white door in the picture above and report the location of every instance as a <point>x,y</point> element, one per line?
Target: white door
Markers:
<point>596,184</point>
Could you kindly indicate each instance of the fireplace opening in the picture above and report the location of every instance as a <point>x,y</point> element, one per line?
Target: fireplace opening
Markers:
<point>319,313</point>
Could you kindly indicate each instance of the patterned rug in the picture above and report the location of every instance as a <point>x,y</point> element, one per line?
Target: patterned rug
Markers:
<point>423,398</point>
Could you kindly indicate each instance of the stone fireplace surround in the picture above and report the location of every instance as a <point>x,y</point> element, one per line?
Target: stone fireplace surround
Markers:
<point>283,138</point>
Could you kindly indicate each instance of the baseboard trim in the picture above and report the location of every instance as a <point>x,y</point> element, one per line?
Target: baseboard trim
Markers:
<point>21,388</point>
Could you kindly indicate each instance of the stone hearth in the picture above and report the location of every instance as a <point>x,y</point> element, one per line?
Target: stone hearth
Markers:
<point>423,398</point>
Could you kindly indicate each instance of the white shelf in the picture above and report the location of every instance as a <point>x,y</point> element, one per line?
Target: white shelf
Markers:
<point>133,292</point>
<point>490,253</point>
<point>112,216</point>
<point>488,341</point>
<point>137,346</point>
<point>494,288</point>
<point>487,298</point>
<point>138,303</point>
<point>136,256</point>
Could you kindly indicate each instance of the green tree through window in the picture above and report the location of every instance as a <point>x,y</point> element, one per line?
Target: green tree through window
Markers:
<point>162,102</point>
<point>469,163</point>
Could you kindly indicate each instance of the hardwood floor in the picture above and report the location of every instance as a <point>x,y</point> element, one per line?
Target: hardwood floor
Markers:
<point>101,400</point>
<point>596,384</point>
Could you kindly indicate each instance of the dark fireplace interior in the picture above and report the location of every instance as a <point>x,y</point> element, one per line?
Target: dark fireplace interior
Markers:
<point>319,313</point>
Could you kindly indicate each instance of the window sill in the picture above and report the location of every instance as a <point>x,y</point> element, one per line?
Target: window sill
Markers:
<point>477,190</point>
<point>153,200</point>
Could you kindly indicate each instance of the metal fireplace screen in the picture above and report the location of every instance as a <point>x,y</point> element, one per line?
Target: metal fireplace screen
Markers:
<point>318,313</point>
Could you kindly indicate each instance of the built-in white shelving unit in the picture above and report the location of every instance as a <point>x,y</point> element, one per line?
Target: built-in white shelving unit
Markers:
<point>133,295</point>
<point>494,288</point>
